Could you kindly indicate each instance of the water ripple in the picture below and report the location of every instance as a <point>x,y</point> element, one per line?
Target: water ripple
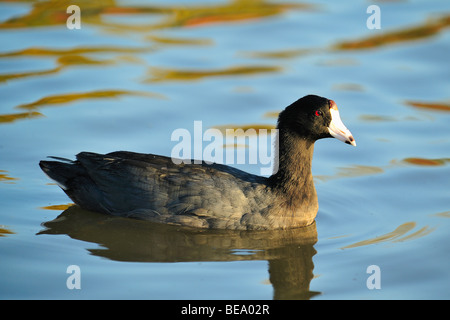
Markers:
<point>398,235</point>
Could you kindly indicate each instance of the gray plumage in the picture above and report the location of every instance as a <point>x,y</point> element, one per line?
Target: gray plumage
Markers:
<point>152,187</point>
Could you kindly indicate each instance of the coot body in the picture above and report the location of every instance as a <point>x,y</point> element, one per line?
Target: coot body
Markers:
<point>216,196</point>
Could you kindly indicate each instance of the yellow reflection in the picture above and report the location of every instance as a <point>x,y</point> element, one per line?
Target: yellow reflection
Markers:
<point>180,41</point>
<point>58,207</point>
<point>351,172</point>
<point>272,114</point>
<point>425,30</point>
<point>235,146</point>
<point>101,13</point>
<point>415,235</point>
<point>445,214</point>
<point>8,118</point>
<point>437,106</point>
<point>248,129</point>
<point>281,54</point>
<point>376,118</point>
<point>5,178</point>
<point>68,60</point>
<point>161,74</point>
<point>243,131</point>
<point>426,162</point>
<point>48,13</point>
<point>62,61</point>
<point>4,231</point>
<point>70,97</point>
<point>231,12</point>
<point>12,76</point>
<point>398,235</point>
<point>71,51</point>
<point>63,99</point>
<point>348,87</point>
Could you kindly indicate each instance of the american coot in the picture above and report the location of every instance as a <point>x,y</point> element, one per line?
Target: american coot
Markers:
<point>152,187</point>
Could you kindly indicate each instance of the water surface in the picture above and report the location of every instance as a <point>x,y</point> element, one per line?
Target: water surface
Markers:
<point>138,70</point>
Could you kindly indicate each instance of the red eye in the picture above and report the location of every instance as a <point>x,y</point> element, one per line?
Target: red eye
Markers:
<point>318,113</point>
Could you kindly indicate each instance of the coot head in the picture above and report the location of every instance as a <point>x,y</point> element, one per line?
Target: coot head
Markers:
<point>312,118</point>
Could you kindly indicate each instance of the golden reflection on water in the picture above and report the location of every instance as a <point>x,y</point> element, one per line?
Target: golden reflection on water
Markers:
<point>434,106</point>
<point>376,118</point>
<point>54,52</point>
<point>426,162</point>
<point>425,30</point>
<point>102,13</point>
<point>8,118</point>
<point>71,97</point>
<point>445,214</point>
<point>47,13</point>
<point>398,235</point>
<point>246,129</point>
<point>351,172</point>
<point>58,207</point>
<point>179,41</point>
<point>4,177</point>
<point>272,114</point>
<point>19,75</point>
<point>279,54</point>
<point>5,232</point>
<point>63,62</point>
<point>360,170</point>
<point>63,99</point>
<point>162,74</point>
<point>160,17</point>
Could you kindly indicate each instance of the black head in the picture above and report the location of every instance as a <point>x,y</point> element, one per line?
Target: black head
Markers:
<point>312,118</point>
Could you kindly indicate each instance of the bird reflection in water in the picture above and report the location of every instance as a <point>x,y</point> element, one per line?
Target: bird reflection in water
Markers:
<point>289,252</point>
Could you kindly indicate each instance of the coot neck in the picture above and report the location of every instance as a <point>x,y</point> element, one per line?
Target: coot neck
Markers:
<point>294,177</point>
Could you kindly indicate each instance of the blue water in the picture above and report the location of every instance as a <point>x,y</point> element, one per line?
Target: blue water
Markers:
<point>138,70</point>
